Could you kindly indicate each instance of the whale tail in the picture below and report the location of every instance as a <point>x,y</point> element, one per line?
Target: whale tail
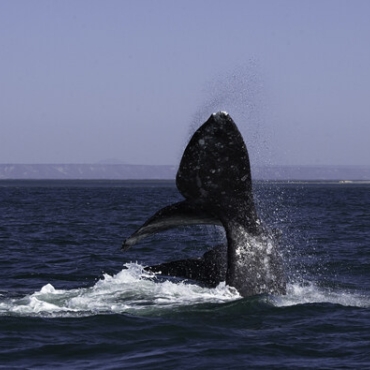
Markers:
<point>214,177</point>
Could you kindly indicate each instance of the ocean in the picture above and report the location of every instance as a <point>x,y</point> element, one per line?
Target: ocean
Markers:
<point>71,299</point>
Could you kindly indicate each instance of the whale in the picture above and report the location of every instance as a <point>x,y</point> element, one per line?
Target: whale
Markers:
<point>214,178</point>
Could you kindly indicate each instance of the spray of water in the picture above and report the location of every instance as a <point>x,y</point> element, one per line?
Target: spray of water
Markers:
<point>241,92</point>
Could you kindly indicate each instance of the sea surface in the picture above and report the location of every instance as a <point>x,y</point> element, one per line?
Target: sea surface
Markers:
<point>71,299</point>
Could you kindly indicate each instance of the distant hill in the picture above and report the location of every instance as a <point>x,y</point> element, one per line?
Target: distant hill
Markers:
<point>143,172</point>
<point>311,173</point>
<point>86,171</point>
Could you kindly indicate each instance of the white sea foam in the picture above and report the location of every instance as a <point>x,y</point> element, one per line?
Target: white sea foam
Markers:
<point>135,291</point>
<point>307,293</point>
<point>132,290</point>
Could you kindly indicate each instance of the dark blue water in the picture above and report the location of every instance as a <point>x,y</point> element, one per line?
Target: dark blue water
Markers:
<point>70,299</point>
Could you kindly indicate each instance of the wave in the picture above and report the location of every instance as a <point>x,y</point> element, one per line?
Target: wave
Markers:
<point>135,291</point>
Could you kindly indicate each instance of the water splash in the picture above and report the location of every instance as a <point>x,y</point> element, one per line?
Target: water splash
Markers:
<point>135,291</point>
<point>309,293</point>
<point>132,290</point>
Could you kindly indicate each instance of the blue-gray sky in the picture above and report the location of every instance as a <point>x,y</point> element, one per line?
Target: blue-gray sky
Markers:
<point>85,81</point>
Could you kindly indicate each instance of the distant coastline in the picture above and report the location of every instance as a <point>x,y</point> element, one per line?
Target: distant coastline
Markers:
<point>344,174</point>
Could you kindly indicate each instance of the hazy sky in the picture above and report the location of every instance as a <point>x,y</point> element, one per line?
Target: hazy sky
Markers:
<point>83,81</point>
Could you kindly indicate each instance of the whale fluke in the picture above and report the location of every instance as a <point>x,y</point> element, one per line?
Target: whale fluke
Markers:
<point>214,177</point>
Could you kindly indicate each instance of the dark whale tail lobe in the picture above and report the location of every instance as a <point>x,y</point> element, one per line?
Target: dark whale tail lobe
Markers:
<point>215,172</point>
<point>182,213</point>
<point>214,177</point>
